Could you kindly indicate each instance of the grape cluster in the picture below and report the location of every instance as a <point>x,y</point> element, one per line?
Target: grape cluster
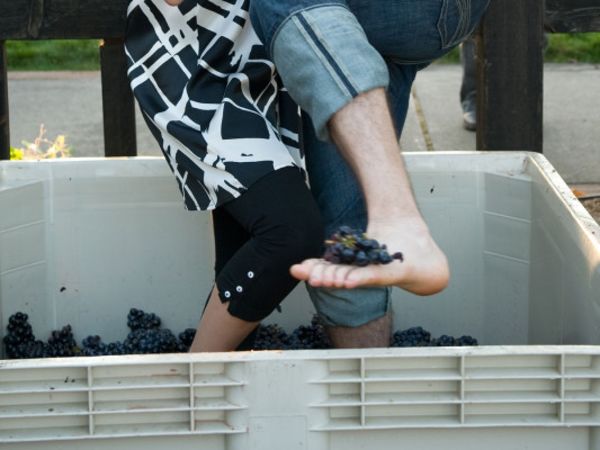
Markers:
<point>20,342</point>
<point>353,247</point>
<point>117,348</point>
<point>418,337</point>
<point>411,337</point>
<point>271,337</point>
<point>93,346</point>
<point>140,320</point>
<point>62,343</point>
<point>309,337</point>
<point>186,337</point>
<point>444,341</point>
<point>146,336</point>
<point>152,340</point>
<point>19,336</point>
<point>463,341</point>
<point>33,349</point>
<point>304,337</point>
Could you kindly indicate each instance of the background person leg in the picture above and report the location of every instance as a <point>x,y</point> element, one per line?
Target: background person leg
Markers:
<point>468,88</point>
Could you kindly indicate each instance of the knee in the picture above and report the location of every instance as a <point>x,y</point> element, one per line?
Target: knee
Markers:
<point>261,280</point>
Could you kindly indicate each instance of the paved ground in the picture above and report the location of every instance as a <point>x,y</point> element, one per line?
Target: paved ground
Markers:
<point>70,104</point>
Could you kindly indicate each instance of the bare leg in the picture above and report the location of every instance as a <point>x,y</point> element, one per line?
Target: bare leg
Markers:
<point>174,2</point>
<point>363,131</point>
<point>218,330</point>
<point>377,333</point>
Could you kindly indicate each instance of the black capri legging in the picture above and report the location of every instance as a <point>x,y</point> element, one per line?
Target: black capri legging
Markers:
<point>258,236</point>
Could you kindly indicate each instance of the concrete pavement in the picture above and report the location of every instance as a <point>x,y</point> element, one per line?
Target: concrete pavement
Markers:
<point>71,104</point>
<point>571,116</point>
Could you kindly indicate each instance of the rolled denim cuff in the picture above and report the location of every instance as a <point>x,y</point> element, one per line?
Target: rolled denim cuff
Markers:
<point>325,60</point>
<point>350,307</point>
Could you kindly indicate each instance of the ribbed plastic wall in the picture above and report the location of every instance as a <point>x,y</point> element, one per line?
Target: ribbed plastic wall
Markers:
<point>265,399</point>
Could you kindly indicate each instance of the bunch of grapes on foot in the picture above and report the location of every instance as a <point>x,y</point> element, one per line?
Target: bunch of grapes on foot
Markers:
<point>353,247</point>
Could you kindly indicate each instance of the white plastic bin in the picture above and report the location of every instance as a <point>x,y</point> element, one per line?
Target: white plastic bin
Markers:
<point>82,241</point>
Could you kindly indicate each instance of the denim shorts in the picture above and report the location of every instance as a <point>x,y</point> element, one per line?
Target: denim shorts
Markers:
<point>327,52</point>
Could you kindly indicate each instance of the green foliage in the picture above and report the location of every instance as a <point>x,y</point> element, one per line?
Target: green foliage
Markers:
<point>583,48</point>
<point>562,48</point>
<point>453,57</point>
<point>42,148</point>
<point>16,154</point>
<point>84,54</point>
<point>53,55</point>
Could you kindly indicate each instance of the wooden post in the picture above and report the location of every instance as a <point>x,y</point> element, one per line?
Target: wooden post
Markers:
<point>4,122</point>
<point>117,101</point>
<point>510,87</point>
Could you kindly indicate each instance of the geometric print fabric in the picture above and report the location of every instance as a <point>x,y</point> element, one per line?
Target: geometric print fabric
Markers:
<point>210,97</point>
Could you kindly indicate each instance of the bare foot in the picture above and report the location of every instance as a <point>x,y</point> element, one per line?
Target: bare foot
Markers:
<point>174,2</point>
<point>424,270</point>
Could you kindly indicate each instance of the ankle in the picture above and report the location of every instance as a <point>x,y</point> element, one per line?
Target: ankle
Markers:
<point>388,208</point>
<point>409,224</point>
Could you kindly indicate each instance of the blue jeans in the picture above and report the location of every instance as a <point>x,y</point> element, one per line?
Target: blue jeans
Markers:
<point>328,52</point>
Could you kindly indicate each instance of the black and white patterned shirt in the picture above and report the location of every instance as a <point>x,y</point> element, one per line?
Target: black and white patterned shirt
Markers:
<point>210,96</point>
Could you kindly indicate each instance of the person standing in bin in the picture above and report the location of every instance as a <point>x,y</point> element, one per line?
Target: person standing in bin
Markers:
<point>229,130</point>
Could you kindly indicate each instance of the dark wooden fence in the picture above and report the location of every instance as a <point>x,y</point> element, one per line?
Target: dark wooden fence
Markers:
<point>511,86</point>
<point>510,96</point>
<point>76,19</point>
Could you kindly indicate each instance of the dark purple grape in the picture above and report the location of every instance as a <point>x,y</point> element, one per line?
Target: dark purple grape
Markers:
<point>384,258</point>
<point>353,247</point>
<point>399,256</point>
<point>362,259</point>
